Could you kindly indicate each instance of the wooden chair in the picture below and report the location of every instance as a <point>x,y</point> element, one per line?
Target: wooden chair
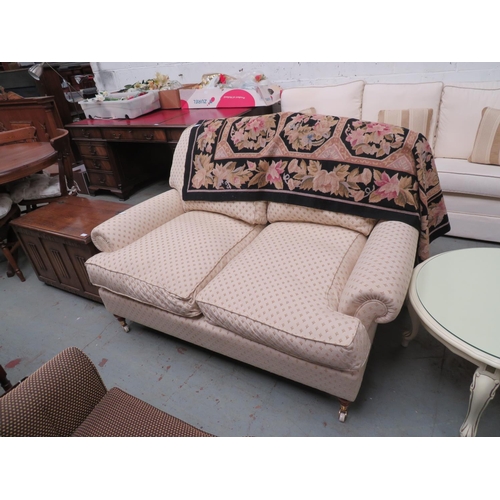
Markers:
<point>25,134</point>
<point>41,188</point>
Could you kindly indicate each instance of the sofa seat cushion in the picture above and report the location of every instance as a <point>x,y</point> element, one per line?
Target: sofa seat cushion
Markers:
<point>119,414</point>
<point>167,267</point>
<point>475,179</point>
<point>283,291</point>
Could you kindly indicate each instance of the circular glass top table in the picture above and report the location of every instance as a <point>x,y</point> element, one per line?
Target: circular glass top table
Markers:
<point>456,297</point>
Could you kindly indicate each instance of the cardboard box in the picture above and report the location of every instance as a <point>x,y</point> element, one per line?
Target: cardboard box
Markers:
<point>170,99</point>
<point>131,108</point>
<point>262,95</point>
<point>81,179</point>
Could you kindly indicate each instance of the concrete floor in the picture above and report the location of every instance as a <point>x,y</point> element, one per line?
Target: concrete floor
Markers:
<point>421,390</point>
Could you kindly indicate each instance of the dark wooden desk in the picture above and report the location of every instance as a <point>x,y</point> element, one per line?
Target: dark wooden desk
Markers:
<point>121,154</point>
<point>23,159</point>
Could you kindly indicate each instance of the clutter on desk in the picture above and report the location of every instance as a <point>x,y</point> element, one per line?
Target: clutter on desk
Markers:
<point>215,90</point>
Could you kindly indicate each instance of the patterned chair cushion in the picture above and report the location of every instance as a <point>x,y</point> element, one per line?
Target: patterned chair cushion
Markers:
<point>253,212</point>
<point>119,414</point>
<point>288,298</point>
<point>167,267</point>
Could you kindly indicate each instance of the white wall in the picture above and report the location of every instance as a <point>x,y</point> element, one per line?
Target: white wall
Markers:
<point>112,76</point>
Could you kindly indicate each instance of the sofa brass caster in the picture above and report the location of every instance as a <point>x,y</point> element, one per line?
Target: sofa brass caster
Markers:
<point>344,407</point>
<point>123,322</point>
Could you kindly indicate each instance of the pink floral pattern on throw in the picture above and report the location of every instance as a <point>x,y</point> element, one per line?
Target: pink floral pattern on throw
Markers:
<point>365,168</point>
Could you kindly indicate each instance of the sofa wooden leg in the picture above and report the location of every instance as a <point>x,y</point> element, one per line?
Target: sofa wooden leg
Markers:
<point>344,407</point>
<point>122,322</point>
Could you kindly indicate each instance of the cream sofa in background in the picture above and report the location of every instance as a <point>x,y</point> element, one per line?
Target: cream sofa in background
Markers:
<point>235,278</point>
<point>471,189</point>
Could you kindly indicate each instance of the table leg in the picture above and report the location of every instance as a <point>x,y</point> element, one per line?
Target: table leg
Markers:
<point>409,335</point>
<point>482,390</point>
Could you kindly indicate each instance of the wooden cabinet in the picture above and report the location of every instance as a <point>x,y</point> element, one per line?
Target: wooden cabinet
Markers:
<point>56,239</point>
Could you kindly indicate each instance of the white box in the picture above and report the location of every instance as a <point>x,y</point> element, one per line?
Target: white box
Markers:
<point>262,95</point>
<point>128,108</point>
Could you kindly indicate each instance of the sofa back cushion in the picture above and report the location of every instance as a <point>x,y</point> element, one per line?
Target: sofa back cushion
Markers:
<point>282,212</point>
<point>418,120</point>
<point>337,100</point>
<point>487,144</point>
<point>402,96</point>
<point>252,212</point>
<point>459,118</point>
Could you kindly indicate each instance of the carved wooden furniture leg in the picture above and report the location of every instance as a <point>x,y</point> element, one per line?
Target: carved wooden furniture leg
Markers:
<point>122,322</point>
<point>4,381</point>
<point>409,335</point>
<point>482,391</point>
<point>10,255</point>
<point>344,407</point>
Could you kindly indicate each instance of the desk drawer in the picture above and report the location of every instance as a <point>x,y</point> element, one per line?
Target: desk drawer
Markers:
<point>103,180</point>
<point>97,163</point>
<point>93,149</point>
<point>86,132</point>
<point>130,134</point>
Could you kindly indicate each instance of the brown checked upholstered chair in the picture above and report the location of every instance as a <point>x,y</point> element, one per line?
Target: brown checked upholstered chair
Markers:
<point>67,397</point>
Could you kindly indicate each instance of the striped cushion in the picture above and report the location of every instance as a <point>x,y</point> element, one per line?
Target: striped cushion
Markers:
<point>418,120</point>
<point>487,144</point>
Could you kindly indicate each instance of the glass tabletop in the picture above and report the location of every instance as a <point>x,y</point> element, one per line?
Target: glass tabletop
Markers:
<point>460,290</point>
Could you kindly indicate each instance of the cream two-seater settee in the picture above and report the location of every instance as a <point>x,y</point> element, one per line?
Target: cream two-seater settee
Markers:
<point>466,146</point>
<point>296,291</point>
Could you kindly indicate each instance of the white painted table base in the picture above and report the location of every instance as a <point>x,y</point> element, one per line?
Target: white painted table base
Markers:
<point>456,297</point>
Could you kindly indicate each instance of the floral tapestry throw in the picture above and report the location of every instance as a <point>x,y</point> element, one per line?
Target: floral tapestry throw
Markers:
<point>346,165</point>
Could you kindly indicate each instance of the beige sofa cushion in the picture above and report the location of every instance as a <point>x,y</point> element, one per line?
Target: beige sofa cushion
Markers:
<point>385,96</point>
<point>253,212</point>
<point>459,119</point>
<point>418,120</point>
<point>287,298</point>
<point>282,212</point>
<point>167,267</point>
<point>337,100</point>
<point>474,179</point>
<point>487,144</point>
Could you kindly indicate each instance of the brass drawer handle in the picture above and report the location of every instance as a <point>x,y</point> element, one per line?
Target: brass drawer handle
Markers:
<point>148,136</point>
<point>97,164</point>
<point>117,135</point>
<point>102,181</point>
<point>86,134</point>
<point>93,150</point>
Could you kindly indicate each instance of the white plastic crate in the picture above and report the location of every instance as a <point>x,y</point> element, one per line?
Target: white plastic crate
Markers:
<point>131,108</point>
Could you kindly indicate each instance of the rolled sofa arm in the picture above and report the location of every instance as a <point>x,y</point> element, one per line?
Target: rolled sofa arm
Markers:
<point>377,286</point>
<point>135,222</point>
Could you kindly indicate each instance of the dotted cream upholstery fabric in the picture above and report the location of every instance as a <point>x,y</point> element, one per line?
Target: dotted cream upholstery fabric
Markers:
<point>137,221</point>
<point>377,287</point>
<point>288,298</point>
<point>283,212</point>
<point>198,331</point>
<point>170,265</point>
<point>253,212</point>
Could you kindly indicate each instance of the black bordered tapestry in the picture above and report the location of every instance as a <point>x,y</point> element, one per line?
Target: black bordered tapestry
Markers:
<point>331,163</point>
